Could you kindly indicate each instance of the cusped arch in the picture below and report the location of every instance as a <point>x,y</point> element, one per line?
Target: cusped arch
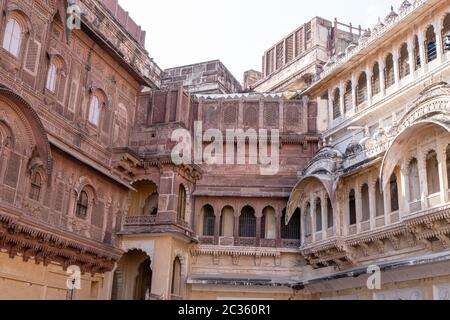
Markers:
<point>85,184</point>
<point>397,151</point>
<point>37,130</point>
<point>326,180</point>
<point>431,108</point>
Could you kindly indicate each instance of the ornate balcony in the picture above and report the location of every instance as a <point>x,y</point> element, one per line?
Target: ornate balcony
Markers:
<point>151,224</point>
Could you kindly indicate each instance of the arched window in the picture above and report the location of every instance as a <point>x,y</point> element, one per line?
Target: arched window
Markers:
<point>318,215</point>
<point>389,76</point>
<point>336,103</point>
<point>94,111</point>
<point>181,203</point>
<point>51,78</point>
<point>365,203</point>
<point>292,230</point>
<point>430,44</point>
<point>352,207</point>
<point>247,223</point>
<point>446,33</point>
<point>250,116</point>
<point>209,220</point>
<point>432,173</point>
<point>361,90</point>
<point>36,185</point>
<point>330,214</point>
<point>308,220</point>
<point>379,200</point>
<point>403,61</point>
<point>393,186</point>
<point>268,224</point>
<point>414,182</point>
<point>82,205</point>
<point>417,60</point>
<point>176,277</point>
<point>348,101</point>
<point>13,37</point>
<point>376,88</point>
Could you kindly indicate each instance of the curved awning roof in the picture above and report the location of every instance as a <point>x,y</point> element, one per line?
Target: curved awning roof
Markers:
<point>398,147</point>
<point>326,180</point>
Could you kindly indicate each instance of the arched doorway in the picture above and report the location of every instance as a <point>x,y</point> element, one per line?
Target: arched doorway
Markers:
<point>133,277</point>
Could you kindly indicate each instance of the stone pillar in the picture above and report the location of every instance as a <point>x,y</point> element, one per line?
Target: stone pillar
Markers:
<point>341,97</point>
<point>167,203</point>
<point>369,85</point>
<point>387,205</point>
<point>313,218</point>
<point>395,57</point>
<point>237,214</point>
<point>439,44</point>
<point>346,226</point>
<point>381,64</point>
<point>278,221</point>
<point>302,226</point>
<point>403,188</point>
<point>330,107</point>
<point>443,175</point>
<point>323,203</point>
<point>372,205</point>
<point>354,84</point>
<point>218,215</point>
<point>423,58</point>
<point>358,208</point>
<point>423,179</point>
<point>411,62</point>
<point>258,228</point>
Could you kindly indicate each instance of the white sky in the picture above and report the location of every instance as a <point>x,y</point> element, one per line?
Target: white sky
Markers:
<point>237,32</point>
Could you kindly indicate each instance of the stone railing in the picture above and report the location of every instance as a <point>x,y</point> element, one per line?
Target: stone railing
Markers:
<point>139,221</point>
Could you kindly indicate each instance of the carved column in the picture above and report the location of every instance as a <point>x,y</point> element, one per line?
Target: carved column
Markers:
<point>403,187</point>
<point>410,44</point>
<point>324,204</point>
<point>313,217</point>
<point>354,84</point>
<point>358,208</point>
<point>372,205</point>
<point>423,59</point>
<point>236,226</point>
<point>278,222</point>
<point>387,204</point>
<point>330,107</point>
<point>423,179</point>
<point>341,97</point>
<point>258,227</point>
<point>442,165</point>
<point>302,226</point>
<point>217,215</point>
<point>439,44</point>
<point>369,85</point>
<point>382,76</point>
<point>395,57</point>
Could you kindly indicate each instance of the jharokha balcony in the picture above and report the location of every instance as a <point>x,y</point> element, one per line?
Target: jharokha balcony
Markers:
<point>154,224</point>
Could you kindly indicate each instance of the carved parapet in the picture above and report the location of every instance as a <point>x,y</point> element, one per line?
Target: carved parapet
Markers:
<point>430,224</point>
<point>237,252</point>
